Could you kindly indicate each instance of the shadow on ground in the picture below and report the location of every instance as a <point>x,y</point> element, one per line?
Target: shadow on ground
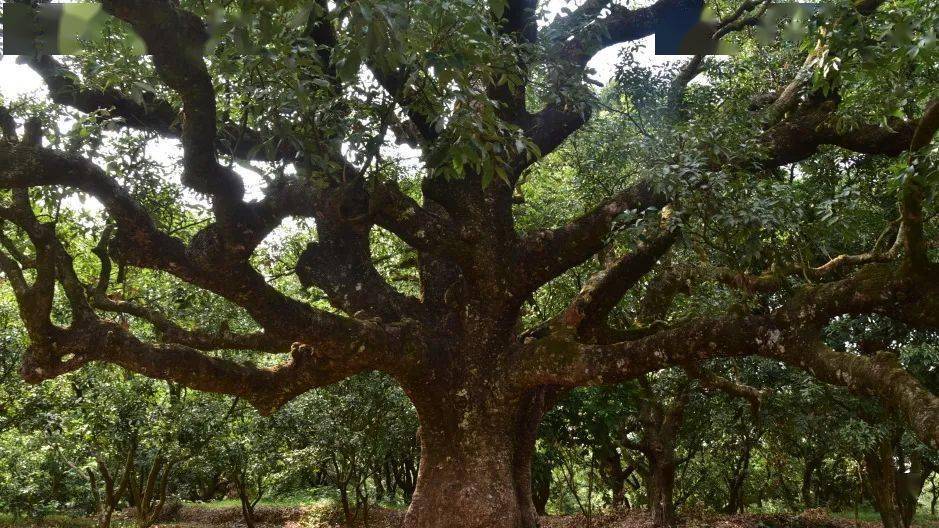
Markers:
<point>324,516</point>
<point>327,515</point>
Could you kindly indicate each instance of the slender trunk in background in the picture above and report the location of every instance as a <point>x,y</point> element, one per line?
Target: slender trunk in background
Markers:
<point>808,474</point>
<point>881,483</point>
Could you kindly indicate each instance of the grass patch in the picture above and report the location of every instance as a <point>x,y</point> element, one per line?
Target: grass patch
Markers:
<point>312,498</point>
<point>871,515</point>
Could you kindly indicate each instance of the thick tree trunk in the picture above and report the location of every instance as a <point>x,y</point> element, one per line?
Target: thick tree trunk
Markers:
<point>104,517</point>
<point>661,426</point>
<point>661,488</point>
<point>247,506</point>
<point>619,493</point>
<point>910,486</point>
<point>475,469</point>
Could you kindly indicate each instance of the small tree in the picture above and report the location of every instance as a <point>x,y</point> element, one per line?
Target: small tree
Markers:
<point>348,430</point>
<point>253,450</point>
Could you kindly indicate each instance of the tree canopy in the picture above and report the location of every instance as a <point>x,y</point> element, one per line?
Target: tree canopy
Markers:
<point>449,198</point>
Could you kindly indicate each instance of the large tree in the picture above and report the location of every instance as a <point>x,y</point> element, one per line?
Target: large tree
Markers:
<point>486,92</point>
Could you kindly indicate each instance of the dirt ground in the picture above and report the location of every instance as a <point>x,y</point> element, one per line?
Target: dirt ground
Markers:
<point>640,519</point>
<point>322,517</point>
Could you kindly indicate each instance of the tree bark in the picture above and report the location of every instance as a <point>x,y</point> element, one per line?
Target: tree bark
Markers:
<point>661,487</point>
<point>247,506</point>
<point>910,486</point>
<point>476,461</point>
<point>882,483</point>
<point>541,485</point>
<point>104,517</point>
<point>735,503</point>
<point>808,475</point>
<point>661,425</point>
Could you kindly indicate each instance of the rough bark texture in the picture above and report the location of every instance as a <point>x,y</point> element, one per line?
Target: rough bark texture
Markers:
<point>660,424</point>
<point>882,483</point>
<point>476,458</point>
<point>661,489</point>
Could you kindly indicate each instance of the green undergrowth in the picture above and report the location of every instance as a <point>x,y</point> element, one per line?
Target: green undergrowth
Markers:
<point>50,521</point>
<point>870,515</point>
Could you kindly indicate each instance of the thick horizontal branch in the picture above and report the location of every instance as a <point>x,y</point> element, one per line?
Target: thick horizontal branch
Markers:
<point>23,166</point>
<point>419,228</point>
<point>604,289</point>
<point>204,263</point>
<point>171,332</point>
<point>790,334</point>
<point>882,377</point>
<point>800,135</point>
<point>99,299</point>
<point>348,349</point>
<point>794,139</point>
<point>217,255</point>
<point>152,114</point>
<point>549,253</point>
<point>621,24</point>
<point>266,388</point>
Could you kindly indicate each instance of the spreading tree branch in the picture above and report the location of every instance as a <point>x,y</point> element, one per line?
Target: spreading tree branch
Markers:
<point>790,334</point>
<point>604,289</point>
<point>176,39</point>
<point>549,253</point>
<point>914,190</point>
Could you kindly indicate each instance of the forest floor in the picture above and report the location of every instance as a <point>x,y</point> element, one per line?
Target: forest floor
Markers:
<point>326,515</point>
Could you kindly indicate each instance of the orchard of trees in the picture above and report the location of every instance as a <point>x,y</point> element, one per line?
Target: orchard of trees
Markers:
<point>418,254</point>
